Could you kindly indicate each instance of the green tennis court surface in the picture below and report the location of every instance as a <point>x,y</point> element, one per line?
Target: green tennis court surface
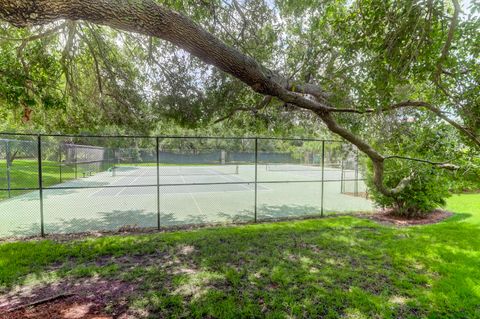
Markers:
<point>127,196</point>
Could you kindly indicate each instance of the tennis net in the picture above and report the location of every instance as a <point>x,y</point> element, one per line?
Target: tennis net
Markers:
<point>174,170</point>
<point>302,167</point>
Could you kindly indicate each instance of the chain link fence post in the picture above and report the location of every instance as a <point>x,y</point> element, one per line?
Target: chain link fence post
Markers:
<point>40,183</point>
<point>342,176</point>
<point>356,174</point>
<point>9,166</point>
<point>256,179</point>
<point>75,165</point>
<point>158,181</point>
<point>323,176</point>
<point>60,160</point>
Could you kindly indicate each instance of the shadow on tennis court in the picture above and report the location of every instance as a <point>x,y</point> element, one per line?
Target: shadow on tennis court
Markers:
<point>134,219</point>
<point>272,212</point>
<point>107,221</point>
<point>281,211</point>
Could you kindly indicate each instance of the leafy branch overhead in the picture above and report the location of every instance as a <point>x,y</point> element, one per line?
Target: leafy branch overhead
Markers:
<point>340,62</point>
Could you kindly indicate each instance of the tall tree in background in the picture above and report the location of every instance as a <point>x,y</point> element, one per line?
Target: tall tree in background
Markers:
<point>352,65</point>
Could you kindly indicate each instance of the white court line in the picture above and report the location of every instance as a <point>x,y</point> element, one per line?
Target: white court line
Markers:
<point>226,177</point>
<point>139,176</point>
<point>230,180</point>
<point>193,198</point>
<point>244,186</point>
<point>266,189</point>
<point>110,183</point>
<point>298,174</point>
<point>96,192</point>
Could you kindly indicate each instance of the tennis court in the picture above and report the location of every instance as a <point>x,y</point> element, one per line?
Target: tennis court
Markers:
<point>109,184</point>
<point>127,197</point>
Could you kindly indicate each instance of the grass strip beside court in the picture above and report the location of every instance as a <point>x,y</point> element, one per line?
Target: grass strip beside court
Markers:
<point>330,268</point>
<point>24,174</point>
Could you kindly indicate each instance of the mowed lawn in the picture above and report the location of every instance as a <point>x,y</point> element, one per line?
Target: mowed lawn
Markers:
<point>24,174</point>
<point>341,267</point>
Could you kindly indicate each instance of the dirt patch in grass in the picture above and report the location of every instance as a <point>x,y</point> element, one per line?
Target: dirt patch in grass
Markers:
<point>69,308</point>
<point>69,298</point>
<point>388,217</point>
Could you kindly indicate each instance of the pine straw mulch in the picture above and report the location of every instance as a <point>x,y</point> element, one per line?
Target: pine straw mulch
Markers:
<point>84,299</point>
<point>388,217</point>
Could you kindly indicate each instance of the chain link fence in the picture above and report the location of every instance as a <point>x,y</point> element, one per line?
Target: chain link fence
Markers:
<point>70,184</point>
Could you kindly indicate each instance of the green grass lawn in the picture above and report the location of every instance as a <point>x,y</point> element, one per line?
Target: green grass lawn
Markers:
<point>341,267</point>
<point>24,174</point>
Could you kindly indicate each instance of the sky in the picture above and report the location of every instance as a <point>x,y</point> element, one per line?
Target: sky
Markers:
<point>466,4</point>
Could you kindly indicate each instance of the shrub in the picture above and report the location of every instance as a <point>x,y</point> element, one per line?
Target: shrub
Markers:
<point>427,191</point>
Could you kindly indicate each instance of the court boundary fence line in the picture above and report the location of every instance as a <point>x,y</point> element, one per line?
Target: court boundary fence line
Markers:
<point>38,139</point>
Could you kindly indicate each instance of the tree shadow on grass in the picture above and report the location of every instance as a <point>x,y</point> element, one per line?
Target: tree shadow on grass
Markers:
<point>319,268</point>
<point>433,271</point>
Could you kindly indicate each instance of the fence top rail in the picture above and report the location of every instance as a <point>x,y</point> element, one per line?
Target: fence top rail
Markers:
<point>173,137</point>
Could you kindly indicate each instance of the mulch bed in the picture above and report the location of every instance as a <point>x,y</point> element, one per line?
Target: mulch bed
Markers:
<point>69,299</point>
<point>388,217</point>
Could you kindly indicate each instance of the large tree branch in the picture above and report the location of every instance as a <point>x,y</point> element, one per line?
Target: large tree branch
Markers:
<point>415,104</point>
<point>391,107</point>
<point>149,18</point>
<point>309,89</point>
<point>466,132</point>
<point>444,165</point>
